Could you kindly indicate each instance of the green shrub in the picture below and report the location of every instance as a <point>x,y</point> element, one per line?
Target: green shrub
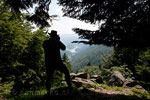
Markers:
<point>94,85</point>
<point>124,70</point>
<point>57,79</point>
<point>106,87</point>
<point>118,88</point>
<point>91,70</point>
<point>142,94</point>
<point>5,89</point>
<point>112,88</point>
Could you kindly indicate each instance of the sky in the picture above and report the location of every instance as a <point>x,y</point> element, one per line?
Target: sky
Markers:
<point>64,25</point>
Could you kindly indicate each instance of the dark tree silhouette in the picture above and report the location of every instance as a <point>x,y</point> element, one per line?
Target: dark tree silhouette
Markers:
<point>40,15</point>
<point>122,23</point>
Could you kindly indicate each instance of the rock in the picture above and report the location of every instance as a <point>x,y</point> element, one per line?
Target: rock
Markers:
<point>79,75</point>
<point>139,87</point>
<point>116,79</point>
<point>93,80</point>
<point>77,82</point>
<point>129,83</point>
<point>81,82</point>
<point>96,79</point>
<point>73,75</point>
<point>82,75</point>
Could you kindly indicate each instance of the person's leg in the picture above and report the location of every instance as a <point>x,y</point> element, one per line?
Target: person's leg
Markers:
<point>49,74</point>
<point>64,70</point>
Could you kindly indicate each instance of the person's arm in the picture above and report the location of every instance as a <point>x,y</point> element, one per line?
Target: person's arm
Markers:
<point>62,46</point>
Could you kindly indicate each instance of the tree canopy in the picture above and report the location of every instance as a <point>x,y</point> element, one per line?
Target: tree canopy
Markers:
<point>40,16</point>
<point>123,23</point>
<point>21,54</point>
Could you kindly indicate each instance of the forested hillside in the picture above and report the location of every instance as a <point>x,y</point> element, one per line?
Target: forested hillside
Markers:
<point>80,54</point>
<point>72,49</point>
<point>92,54</point>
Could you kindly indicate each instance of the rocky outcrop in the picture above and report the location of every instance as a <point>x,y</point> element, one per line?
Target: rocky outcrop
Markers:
<point>77,82</point>
<point>116,79</point>
<point>73,75</point>
<point>79,75</point>
<point>96,79</point>
<point>129,83</point>
<point>81,82</point>
<point>82,79</point>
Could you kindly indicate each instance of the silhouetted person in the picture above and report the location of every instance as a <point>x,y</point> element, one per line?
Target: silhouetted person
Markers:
<point>53,59</point>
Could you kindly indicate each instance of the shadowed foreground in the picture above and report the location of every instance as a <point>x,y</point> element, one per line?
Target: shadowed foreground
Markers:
<point>82,94</point>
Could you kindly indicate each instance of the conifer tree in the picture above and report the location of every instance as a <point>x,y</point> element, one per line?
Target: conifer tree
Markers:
<point>65,58</point>
<point>89,64</point>
<point>127,26</point>
<point>67,62</point>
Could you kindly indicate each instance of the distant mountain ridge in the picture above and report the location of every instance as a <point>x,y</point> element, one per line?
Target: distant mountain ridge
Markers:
<point>92,55</point>
<point>72,48</point>
<point>81,54</point>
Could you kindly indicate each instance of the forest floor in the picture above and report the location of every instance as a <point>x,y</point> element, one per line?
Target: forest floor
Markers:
<point>87,94</point>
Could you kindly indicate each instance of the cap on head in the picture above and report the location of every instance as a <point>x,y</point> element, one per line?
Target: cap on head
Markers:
<point>53,33</point>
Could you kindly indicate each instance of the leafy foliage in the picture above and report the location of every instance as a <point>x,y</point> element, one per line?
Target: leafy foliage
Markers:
<point>66,61</point>
<point>32,71</point>
<point>124,70</point>
<point>91,70</point>
<point>107,72</point>
<point>57,79</point>
<point>122,56</point>
<point>14,40</point>
<point>65,58</point>
<point>112,88</point>
<point>5,89</point>
<point>58,76</point>
<point>143,69</point>
<point>139,93</point>
<point>127,26</point>
<point>21,53</point>
<point>132,63</point>
<point>40,16</point>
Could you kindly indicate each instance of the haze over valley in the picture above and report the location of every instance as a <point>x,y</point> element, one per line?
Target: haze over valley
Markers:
<point>80,54</point>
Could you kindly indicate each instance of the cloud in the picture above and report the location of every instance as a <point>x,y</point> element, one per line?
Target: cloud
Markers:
<point>64,25</point>
<point>74,50</point>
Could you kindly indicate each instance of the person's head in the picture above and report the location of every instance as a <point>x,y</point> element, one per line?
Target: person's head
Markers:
<point>53,34</point>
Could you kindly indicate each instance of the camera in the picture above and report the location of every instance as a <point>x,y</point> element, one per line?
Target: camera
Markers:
<point>57,37</point>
